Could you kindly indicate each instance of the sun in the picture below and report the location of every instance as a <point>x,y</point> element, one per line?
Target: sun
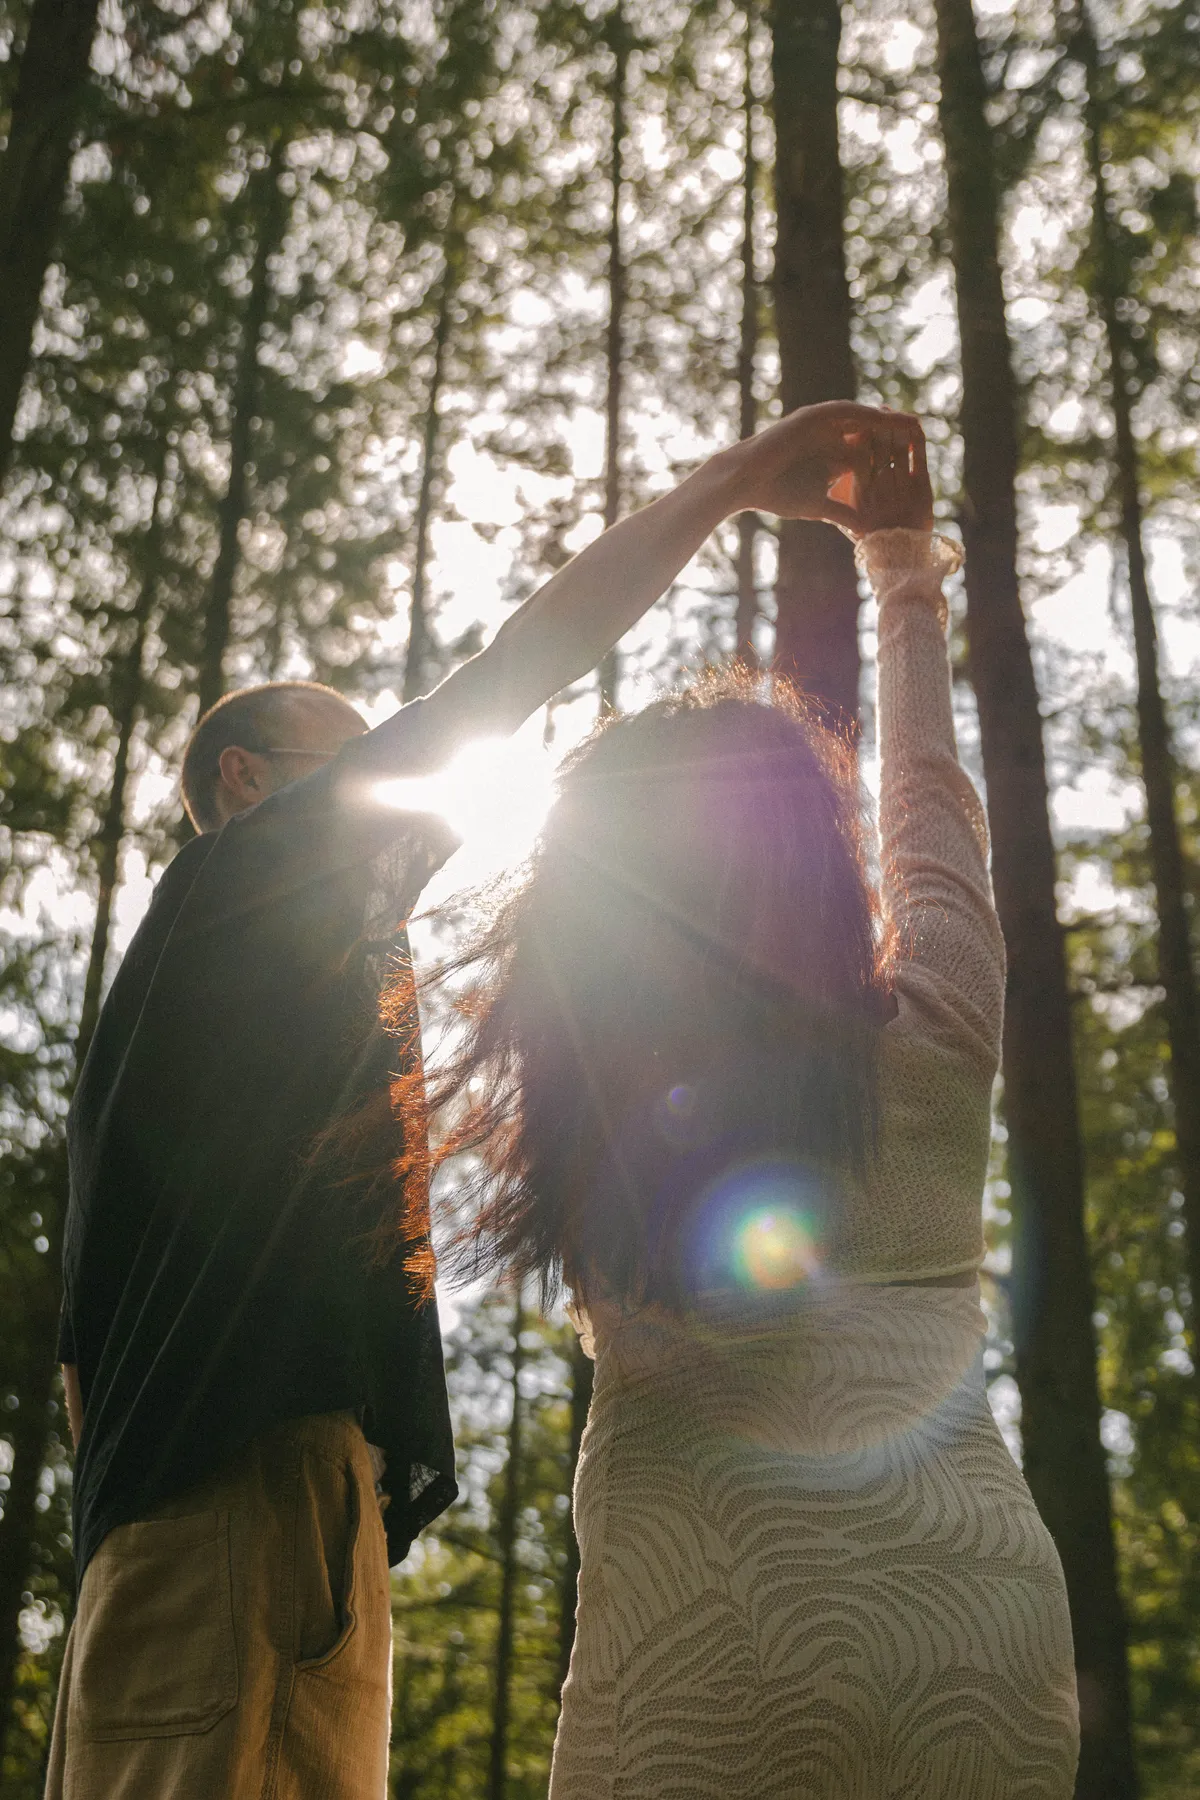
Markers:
<point>494,794</point>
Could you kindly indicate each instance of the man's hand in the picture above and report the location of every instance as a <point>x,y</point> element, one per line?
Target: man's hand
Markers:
<point>890,488</point>
<point>859,467</point>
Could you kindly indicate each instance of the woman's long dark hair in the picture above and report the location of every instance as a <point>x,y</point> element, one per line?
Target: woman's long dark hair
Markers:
<point>688,981</point>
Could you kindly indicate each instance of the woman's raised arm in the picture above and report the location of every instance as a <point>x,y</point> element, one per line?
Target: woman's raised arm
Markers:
<point>931,821</point>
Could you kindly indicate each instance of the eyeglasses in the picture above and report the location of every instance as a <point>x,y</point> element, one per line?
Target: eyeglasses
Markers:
<point>286,750</point>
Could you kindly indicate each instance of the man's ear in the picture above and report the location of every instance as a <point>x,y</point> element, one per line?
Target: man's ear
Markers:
<point>241,777</point>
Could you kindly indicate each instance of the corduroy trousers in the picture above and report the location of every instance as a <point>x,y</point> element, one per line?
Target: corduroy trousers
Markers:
<point>236,1643</point>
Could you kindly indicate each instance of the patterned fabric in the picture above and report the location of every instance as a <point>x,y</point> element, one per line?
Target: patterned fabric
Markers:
<point>809,1565</point>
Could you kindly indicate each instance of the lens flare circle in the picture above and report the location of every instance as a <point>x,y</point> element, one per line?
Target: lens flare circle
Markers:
<point>775,1249</point>
<point>761,1228</point>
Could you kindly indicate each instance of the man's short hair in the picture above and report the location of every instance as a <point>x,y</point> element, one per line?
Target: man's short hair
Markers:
<point>255,718</point>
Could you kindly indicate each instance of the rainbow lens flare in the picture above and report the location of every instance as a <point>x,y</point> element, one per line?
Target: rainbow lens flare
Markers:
<point>761,1226</point>
<point>776,1249</point>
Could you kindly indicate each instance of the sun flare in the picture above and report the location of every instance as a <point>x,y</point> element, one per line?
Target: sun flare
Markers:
<point>494,795</point>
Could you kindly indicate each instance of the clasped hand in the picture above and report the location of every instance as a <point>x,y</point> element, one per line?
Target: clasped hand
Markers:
<point>861,468</point>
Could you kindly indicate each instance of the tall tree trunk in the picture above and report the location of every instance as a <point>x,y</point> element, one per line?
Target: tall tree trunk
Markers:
<point>816,591</point>
<point>506,1531</point>
<point>581,1399</point>
<point>127,696</point>
<point>748,522</point>
<point>33,176</point>
<point>420,640</point>
<point>614,348</point>
<point>271,214</point>
<point>449,1759</point>
<point>1175,965</point>
<point>29,1428</point>
<point>34,1423</point>
<point>1052,1327</point>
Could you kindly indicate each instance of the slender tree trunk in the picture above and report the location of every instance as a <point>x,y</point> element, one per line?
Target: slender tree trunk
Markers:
<point>1055,1347</point>
<point>816,591</point>
<point>33,176</point>
<point>507,1535</point>
<point>272,214</point>
<point>112,832</point>
<point>581,1399</point>
<point>450,1698</point>
<point>127,697</point>
<point>614,349</point>
<point>748,522</point>
<point>29,1427</point>
<point>420,640</point>
<point>1175,965</point>
<point>33,1424</point>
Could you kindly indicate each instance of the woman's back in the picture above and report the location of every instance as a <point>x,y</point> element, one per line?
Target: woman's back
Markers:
<point>809,1565</point>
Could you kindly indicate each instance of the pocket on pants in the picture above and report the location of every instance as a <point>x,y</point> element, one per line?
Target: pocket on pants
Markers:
<point>155,1649</point>
<point>328,1519</point>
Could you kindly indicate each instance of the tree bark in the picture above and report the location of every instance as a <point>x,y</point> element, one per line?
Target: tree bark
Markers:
<point>29,1427</point>
<point>51,85</point>
<point>582,1372</point>
<point>127,696</point>
<point>33,1422</point>
<point>1175,964</point>
<point>748,522</point>
<point>420,640</point>
<point>614,347</point>
<point>235,504</point>
<point>506,1532</point>
<point>816,590</point>
<point>1053,1299</point>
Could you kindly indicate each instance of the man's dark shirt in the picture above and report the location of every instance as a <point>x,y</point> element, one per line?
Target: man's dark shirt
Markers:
<point>216,1281</point>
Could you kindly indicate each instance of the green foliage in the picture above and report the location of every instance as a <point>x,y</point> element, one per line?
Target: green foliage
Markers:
<point>445,1597</point>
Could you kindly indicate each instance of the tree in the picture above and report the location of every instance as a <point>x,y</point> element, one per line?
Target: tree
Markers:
<point>1054,1300</point>
<point>33,175</point>
<point>816,589</point>
<point>269,215</point>
<point>1158,767</point>
<point>747,591</point>
<point>506,1532</point>
<point>617,34</point>
<point>417,656</point>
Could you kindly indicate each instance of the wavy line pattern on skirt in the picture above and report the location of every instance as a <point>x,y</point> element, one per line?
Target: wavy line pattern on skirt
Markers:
<point>810,1566</point>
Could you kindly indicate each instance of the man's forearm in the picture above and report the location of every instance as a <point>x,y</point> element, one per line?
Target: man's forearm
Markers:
<point>569,624</point>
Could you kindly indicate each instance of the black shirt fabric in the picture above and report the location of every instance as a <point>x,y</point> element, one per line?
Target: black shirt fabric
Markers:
<point>215,1282</point>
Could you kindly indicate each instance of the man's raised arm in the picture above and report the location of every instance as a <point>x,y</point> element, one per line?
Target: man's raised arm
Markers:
<point>565,629</point>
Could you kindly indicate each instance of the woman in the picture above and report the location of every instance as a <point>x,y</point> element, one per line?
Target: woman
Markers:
<point>740,1099</point>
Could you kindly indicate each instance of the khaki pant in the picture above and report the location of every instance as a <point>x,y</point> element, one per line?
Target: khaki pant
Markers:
<point>236,1643</point>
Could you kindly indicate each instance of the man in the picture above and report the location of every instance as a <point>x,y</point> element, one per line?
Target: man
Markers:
<point>233,1341</point>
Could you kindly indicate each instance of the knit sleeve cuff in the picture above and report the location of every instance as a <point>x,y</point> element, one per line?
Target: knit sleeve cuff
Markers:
<point>904,565</point>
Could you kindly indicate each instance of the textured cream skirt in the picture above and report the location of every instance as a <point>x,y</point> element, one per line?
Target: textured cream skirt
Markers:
<point>810,1567</point>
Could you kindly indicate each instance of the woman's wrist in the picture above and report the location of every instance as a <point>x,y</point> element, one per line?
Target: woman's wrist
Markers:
<point>916,546</point>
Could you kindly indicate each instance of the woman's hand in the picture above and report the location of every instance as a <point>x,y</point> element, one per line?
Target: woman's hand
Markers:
<point>858,467</point>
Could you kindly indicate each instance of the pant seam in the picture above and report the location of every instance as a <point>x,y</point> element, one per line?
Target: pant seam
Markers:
<point>285,1678</point>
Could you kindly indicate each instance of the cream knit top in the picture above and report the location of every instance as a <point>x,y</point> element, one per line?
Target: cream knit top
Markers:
<point>919,1214</point>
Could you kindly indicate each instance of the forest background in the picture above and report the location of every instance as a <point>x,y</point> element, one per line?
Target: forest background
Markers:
<point>327,331</point>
